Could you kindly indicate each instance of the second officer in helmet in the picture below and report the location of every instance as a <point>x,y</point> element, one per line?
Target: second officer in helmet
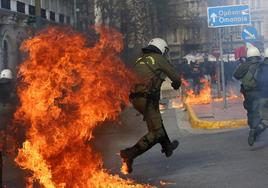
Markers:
<point>246,73</point>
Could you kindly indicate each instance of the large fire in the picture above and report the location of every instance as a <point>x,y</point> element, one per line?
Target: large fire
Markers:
<point>68,89</point>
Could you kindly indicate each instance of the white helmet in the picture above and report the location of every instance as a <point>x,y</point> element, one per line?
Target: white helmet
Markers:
<point>253,52</point>
<point>266,53</point>
<point>6,73</point>
<point>160,44</point>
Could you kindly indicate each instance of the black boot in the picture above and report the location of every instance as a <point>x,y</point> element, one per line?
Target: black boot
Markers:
<point>168,148</point>
<point>128,155</point>
<point>252,136</point>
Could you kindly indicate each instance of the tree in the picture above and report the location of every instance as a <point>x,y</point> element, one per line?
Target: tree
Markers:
<point>138,20</point>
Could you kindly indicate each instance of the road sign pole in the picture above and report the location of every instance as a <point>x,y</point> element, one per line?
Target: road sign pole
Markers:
<point>222,70</point>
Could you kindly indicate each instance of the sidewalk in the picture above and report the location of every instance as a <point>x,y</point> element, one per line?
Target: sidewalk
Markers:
<point>221,118</point>
<point>212,115</point>
<point>216,111</point>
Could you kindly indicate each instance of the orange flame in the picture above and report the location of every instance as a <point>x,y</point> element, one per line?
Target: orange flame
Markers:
<point>67,90</point>
<point>124,168</point>
<point>165,182</point>
<point>176,104</point>
<point>232,96</point>
<point>204,96</point>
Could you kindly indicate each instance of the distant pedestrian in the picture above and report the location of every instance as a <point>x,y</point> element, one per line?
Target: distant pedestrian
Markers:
<point>246,73</point>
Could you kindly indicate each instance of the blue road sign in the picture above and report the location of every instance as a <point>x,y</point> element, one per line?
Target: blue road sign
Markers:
<point>223,16</point>
<point>250,34</point>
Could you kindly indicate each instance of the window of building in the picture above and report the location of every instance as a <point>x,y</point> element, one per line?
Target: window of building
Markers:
<point>5,4</point>
<point>5,54</point>
<point>52,16</point>
<point>31,10</point>
<point>43,13</point>
<point>61,18</point>
<point>20,7</point>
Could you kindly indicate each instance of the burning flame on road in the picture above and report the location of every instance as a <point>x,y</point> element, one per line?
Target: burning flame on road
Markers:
<point>232,96</point>
<point>68,89</point>
<point>204,97</point>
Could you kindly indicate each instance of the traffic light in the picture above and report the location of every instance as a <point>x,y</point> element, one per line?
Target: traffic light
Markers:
<point>31,20</point>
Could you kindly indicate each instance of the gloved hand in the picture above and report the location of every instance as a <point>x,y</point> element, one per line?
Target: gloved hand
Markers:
<point>176,85</point>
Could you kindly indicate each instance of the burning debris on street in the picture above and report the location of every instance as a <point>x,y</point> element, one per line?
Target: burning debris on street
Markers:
<point>66,90</point>
<point>205,95</point>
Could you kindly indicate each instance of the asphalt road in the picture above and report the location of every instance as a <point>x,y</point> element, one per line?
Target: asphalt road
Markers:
<point>205,159</point>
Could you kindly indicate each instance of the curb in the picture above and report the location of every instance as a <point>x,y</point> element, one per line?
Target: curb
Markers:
<point>203,124</point>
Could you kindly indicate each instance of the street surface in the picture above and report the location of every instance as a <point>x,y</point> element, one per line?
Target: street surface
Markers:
<point>204,159</point>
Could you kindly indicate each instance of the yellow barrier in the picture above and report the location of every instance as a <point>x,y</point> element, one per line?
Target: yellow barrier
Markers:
<point>203,124</point>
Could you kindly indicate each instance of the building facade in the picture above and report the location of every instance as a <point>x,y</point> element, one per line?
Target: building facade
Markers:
<point>17,18</point>
<point>190,32</point>
<point>259,10</point>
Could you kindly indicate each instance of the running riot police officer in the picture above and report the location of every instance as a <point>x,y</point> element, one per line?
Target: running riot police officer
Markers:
<point>152,67</point>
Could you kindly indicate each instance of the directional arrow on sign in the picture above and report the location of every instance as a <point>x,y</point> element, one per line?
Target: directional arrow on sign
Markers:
<point>213,17</point>
<point>245,12</point>
<point>252,36</point>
